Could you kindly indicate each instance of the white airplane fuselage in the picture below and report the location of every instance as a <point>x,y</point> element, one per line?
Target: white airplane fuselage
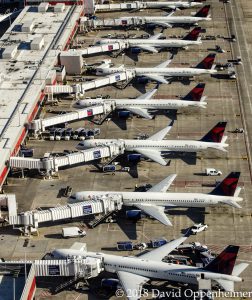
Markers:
<point>173,4</point>
<point>149,268</point>
<point>159,199</point>
<point>170,20</point>
<point>163,145</point>
<point>169,43</point>
<point>166,72</point>
<point>141,103</point>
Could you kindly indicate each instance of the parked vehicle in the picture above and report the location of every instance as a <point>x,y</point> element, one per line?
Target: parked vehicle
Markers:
<point>77,132</point>
<point>59,134</point>
<point>69,232</point>
<point>196,228</point>
<point>68,134</point>
<point>212,172</point>
<point>26,152</point>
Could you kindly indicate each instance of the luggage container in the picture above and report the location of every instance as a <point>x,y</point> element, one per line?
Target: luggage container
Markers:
<point>134,214</point>
<point>158,242</point>
<point>109,168</point>
<point>125,246</point>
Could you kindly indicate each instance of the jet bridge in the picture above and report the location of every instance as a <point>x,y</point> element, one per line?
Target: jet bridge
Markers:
<point>116,46</point>
<point>49,165</point>
<point>136,5</point>
<point>41,124</point>
<point>102,205</point>
<point>124,76</point>
<point>88,24</point>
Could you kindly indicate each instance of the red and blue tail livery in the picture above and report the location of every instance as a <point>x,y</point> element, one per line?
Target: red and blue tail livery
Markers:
<point>196,93</point>
<point>203,12</point>
<point>224,262</point>
<point>207,62</point>
<point>228,186</point>
<point>193,35</point>
<point>215,135</point>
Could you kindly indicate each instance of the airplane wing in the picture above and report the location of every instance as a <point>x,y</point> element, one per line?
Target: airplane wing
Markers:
<point>154,155</point>
<point>156,36</point>
<point>163,24</point>
<point>164,185</point>
<point>132,284</point>
<point>157,212</point>
<point>148,48</point>
<point>148,95</point>
<point>158,78</point>
<point>159,253</point>
<point>140,111</point>
<point>159,136</point>
<point>166,63</point>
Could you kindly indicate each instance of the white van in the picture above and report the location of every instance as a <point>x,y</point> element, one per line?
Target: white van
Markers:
<point>69,232</point>
<point>212,172</point>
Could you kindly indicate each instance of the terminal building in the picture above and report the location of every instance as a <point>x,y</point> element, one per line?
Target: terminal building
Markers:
<point>28,52</point>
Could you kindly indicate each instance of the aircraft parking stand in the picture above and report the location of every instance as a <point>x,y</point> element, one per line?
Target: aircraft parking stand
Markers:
<point>228,100</point>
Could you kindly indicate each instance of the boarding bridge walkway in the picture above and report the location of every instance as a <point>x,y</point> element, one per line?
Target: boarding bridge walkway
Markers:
<point>100,205</point>
<point>122,6</point>
<point>79,268</point>
<point>41,124</point>
<point>116,46</point>
<point>126,75</point>
<point>51,165</point>
<point>87,24</point>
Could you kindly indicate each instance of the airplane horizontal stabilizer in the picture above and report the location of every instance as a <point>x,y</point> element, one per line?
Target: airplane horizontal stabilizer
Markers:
<point>140,111</point>
<point>238,269</point>
<point>227,285</point>
<point>231,203</point>
<point>164,185</point>
<point>156,212</point>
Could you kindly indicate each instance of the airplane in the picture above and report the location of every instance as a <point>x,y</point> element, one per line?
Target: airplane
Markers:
<point>155,200</point>
<point>172,4</point>
<point>169,21</point>
<point>160,73</point>
<point>133,272</point>
<point>153,147</point>
<point>154,43</point>
<point>142,104</point>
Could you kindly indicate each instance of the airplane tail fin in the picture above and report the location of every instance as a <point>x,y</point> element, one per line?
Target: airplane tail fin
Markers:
<point>228,186</point>
<point>215,135</point>
<point>207,63</point>
<point>203,12</point>
<point>193,35</point>
<point>224,262</point>
<point>196,93</point>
